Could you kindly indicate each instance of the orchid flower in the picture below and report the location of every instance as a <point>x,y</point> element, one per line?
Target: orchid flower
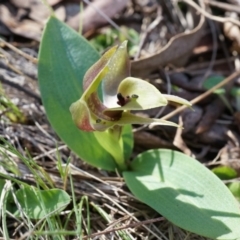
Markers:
<point>120,92</point>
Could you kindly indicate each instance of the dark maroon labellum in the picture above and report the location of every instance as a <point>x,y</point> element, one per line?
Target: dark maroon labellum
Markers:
<point>121,100</point>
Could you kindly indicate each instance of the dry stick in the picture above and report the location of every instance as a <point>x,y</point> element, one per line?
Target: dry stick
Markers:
<point>203,65</point>
<point>23,89</point>
<point>202,96</point>
<point>30,58</point>
<point>215,47</point>
<point>208,15</point>
<point>225,6</point>
<point>125,227</point>
<point>14,69</point>
<point>118,205</point>
<point>149,29</point>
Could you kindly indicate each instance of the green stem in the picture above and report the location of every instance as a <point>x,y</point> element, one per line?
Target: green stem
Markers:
<point>111,141</point>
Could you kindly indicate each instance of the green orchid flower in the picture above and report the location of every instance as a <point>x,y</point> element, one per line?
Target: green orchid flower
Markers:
<point>121,94</point>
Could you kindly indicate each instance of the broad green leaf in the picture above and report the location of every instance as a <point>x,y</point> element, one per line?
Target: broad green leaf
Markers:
<point>225,172</point>
<point>185,192</point>
<point>63,60</point>
<point>39,203</point>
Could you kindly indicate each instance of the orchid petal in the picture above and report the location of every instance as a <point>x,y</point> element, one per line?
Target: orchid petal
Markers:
<point>129,118</point>
<point>177,99</point>
<point>138,94</point>
<point>96,68</point>
<point>87,121</point>
<point>120,69</point>
<point>113,66</point>
<point>81,116</point>
<point>88,115</point>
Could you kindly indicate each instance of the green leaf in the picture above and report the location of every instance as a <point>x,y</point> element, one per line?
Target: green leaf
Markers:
<point>39,203</point>
<point>225,172</point>
<point>63,60</point>
<point>2,183</point>
<point>185,192</point>
<point>9,200</point>
<point>235,91</point>
<point>212,82</point>
<point>234,187</point>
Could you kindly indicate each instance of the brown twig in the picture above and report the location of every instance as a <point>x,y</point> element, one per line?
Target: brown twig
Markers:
<point>25,55</point>
<point>23,89</point>
<point>204,95</point>
<point>208,15</point>
<point>225,6</point>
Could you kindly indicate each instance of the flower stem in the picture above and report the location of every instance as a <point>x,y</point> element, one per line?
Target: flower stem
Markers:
<point>113,144</point>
